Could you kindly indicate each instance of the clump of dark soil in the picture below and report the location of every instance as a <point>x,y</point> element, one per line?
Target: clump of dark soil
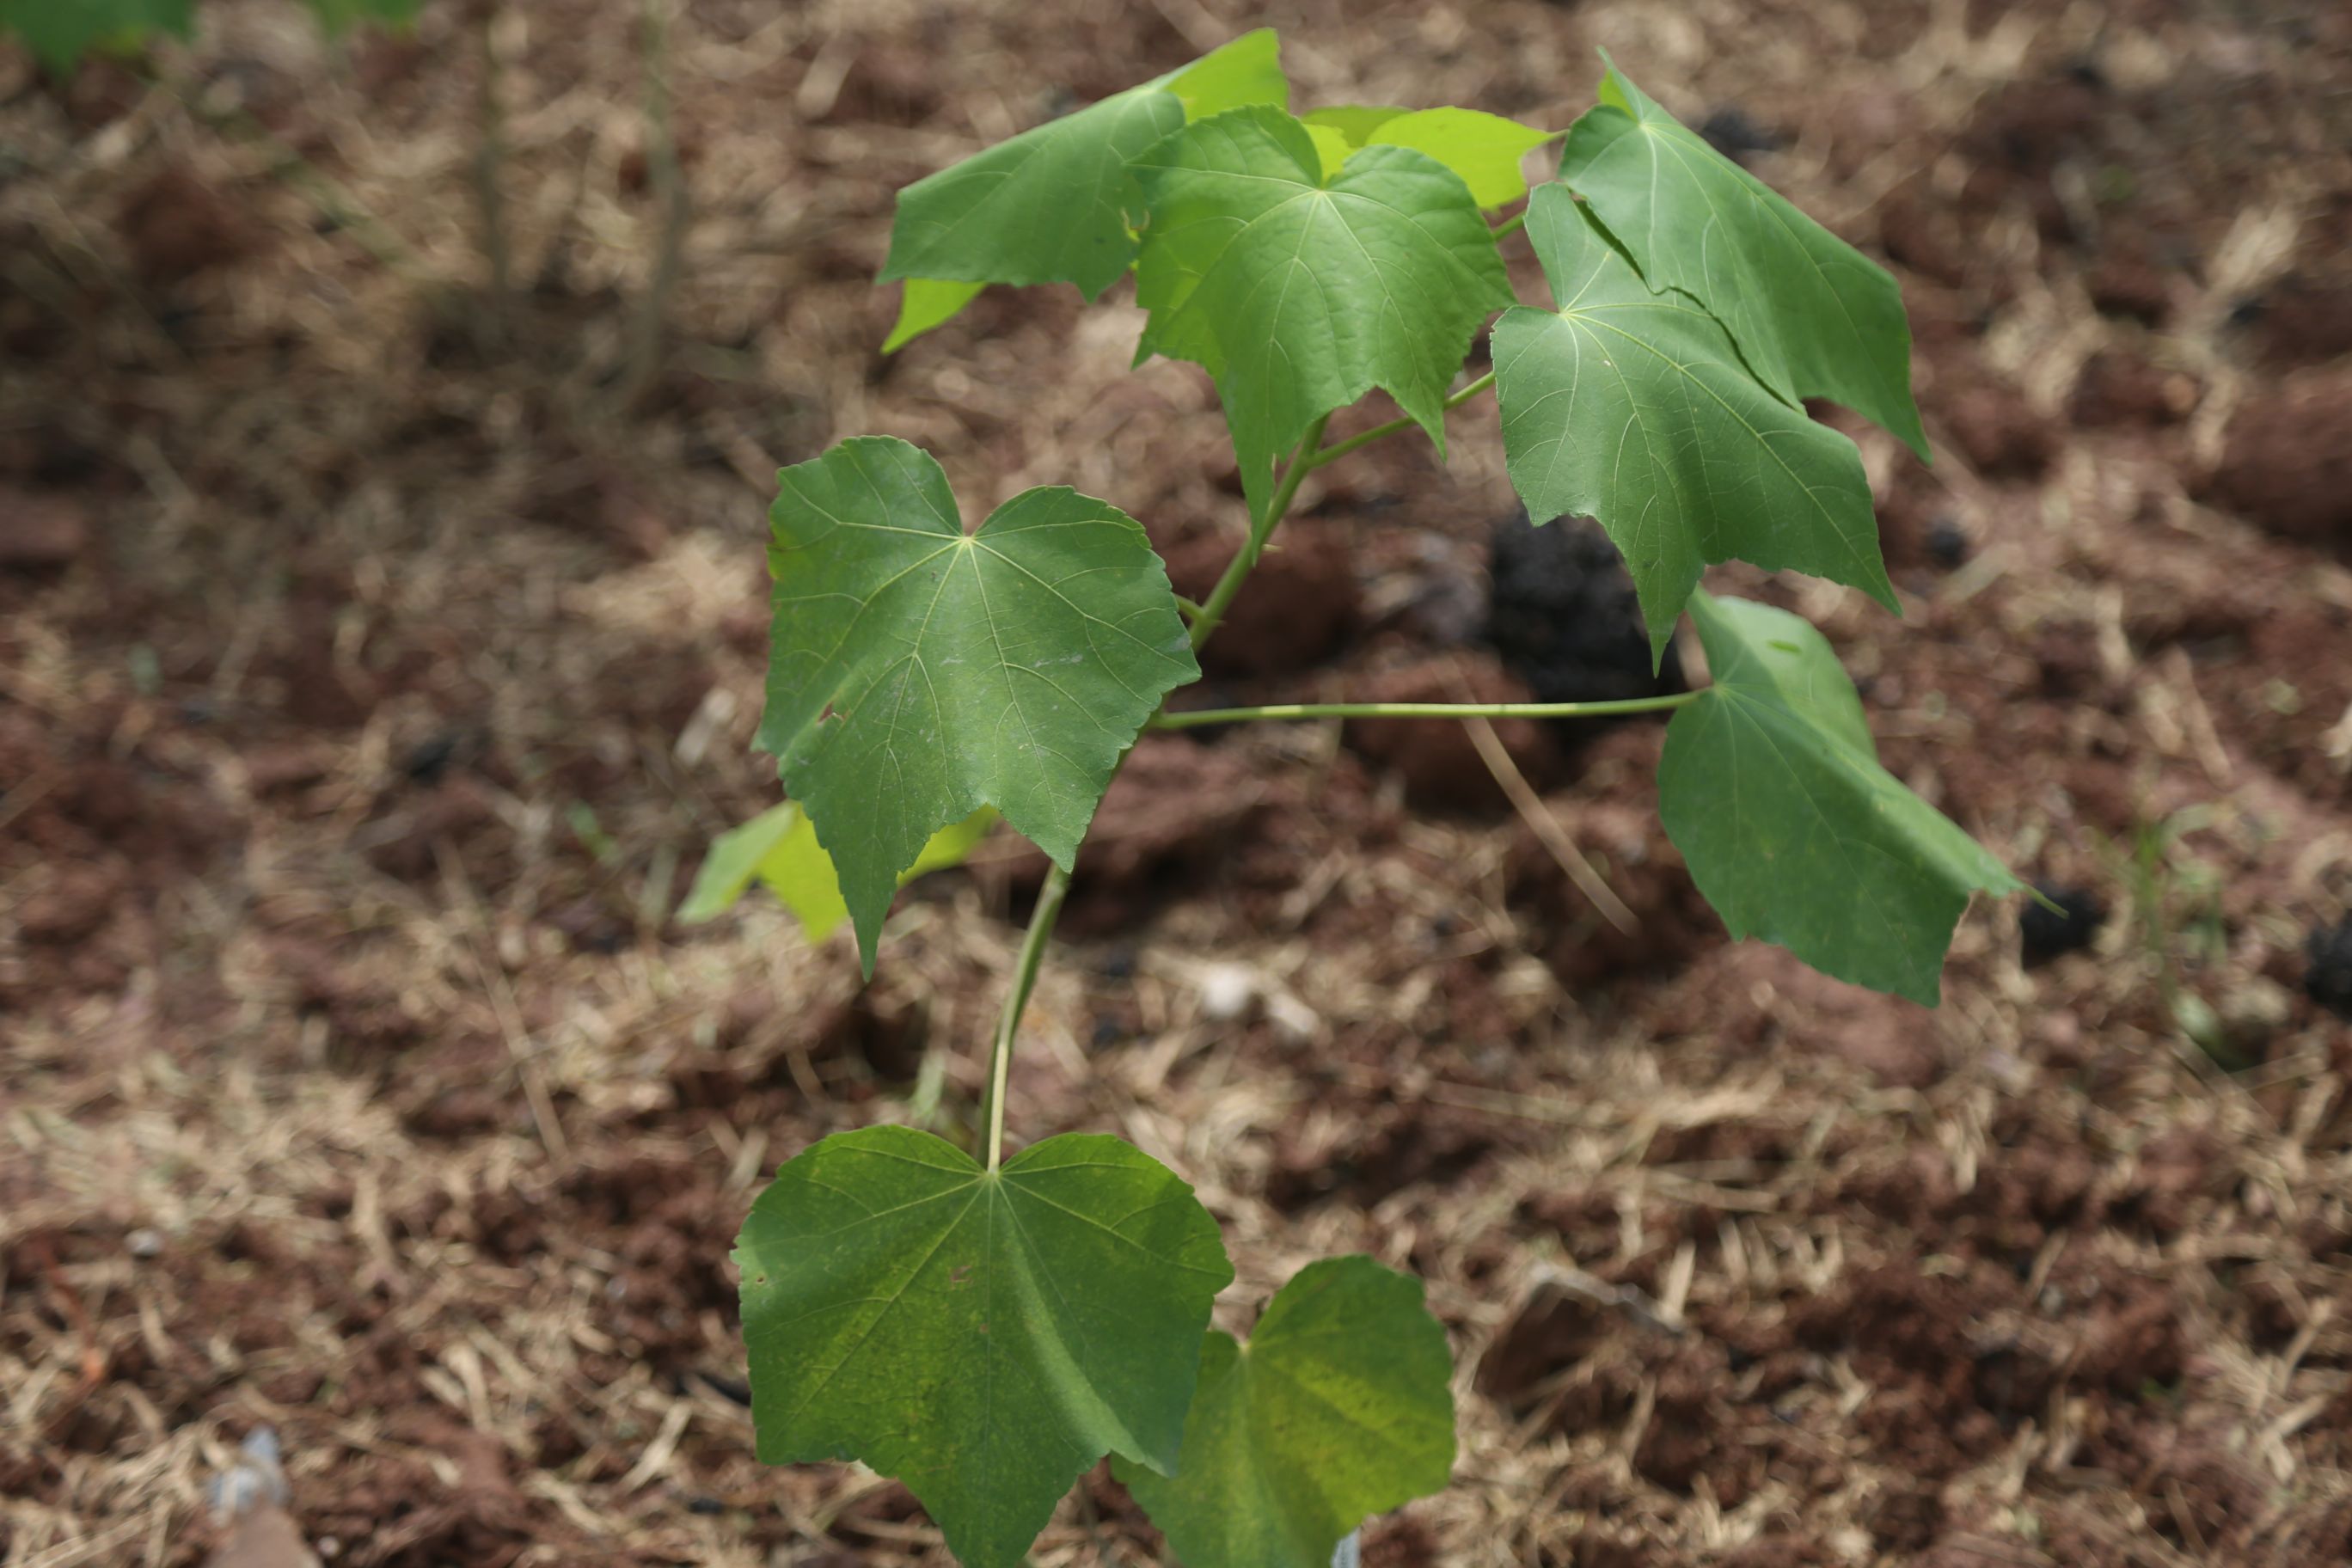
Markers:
<point>2044,934</point>
<point>1560,610</point>
<point>2328,980</point>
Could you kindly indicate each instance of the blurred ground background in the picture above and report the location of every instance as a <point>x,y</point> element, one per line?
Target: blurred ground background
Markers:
<point>377,654</point>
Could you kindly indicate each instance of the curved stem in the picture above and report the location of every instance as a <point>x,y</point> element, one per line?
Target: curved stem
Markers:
<point>1339,449</point>
<point>1016,1002</point>
<point>1221,598</point>
<point>1198,716</point>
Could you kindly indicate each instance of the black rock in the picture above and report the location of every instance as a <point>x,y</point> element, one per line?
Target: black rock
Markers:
<point>2042,933</point>
<point>1560,611</point>
<point>1947,542</point>
<point>2328,981</point>
<point>426,762</point>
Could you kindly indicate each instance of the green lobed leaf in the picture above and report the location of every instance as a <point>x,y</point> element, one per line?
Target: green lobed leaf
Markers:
<point>983,1336</point>
<point>1057,204</point>
<point>59,32</point>
<point>1636,408</point>
<point>918,673</point>
<point>1339,1408</point>
<point>1815,317</point>
<point>1300,295</point>
<point>1770,787</point>
<point>777,848</point>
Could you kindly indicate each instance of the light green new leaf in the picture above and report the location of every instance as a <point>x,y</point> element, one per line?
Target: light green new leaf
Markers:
<point>1484,149</point>
<point>1298,295</point>
<point>1246,70</point>
<point>1338,1409</point>
<point>1057,204</point>
<point>1635,409</point>
<point>925,303</point>
<point>59,32</point>
<point>1353,122</point>
<point>1332,147</point>
<point>1813,316</point>
<point>918,673</point>
<point>778,850</point>
<point>1771,789</point>
<point>983,1336</point>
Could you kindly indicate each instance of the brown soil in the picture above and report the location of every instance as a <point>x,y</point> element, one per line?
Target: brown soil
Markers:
<point>371,682</point>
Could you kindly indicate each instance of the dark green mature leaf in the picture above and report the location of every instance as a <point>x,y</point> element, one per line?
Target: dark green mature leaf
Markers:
<point>1813,316</point>
<point>1636,408</point>
<point>1057,204</point>
<point>1771,789</point>
<point>985,1337</point>
<point>1300,295</point>
<point>918,673</point>
<point>1338,1409</point>
<point>59,32</point>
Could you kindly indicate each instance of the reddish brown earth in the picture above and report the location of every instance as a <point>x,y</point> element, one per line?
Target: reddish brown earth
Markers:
<point>370,683</point>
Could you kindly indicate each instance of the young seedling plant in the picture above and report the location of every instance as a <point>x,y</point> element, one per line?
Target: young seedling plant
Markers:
<point>988,1325</point>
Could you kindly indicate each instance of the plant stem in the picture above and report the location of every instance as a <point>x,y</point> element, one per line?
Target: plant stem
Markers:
<point>1510,225</point>
<point>1205,618</point>
<point>1339,449</point>
<point>1016,1002</point>
<point>1198,716</point>
<point>1221,598</point>
<point>669,193</point>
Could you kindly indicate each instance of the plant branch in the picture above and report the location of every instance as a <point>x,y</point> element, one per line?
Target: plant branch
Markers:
<point>1016,1002</point>
<point>1200,716</point>
<point>1339,449</point>
<point>1237,571</point>
<point>1510,225</point>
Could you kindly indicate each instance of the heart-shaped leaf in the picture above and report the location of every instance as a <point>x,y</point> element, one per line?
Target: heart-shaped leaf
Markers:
<point>1057,204</point>
<point>1338,1409</point>
<point>985,1336</point>
<point>1301,295</point>
<point>1770,787</point>
<point>1636,408</point>
<point>1813,316</point>
<point>918,673</point>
